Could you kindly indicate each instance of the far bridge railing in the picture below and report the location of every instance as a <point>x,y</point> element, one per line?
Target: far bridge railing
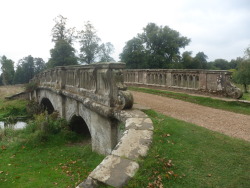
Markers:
<point>211,81</point>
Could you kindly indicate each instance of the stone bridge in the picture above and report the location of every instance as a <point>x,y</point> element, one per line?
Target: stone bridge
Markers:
<point>208,81</point>
<point>94,99</point>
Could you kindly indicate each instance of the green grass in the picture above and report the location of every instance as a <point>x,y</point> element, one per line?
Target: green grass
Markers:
<point>233,106</point>
<point>51,156</point>
<point>12,108</point>
<point>246,96</point>
<point>185,155</point>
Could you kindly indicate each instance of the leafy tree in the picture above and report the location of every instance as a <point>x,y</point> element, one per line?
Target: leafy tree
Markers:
<point>105,51</point>
<point>27,68</point>
<point>134,54</point>
<point>242,75</point>
<point>187,60</point>
<point>63,54</point>
<point>159,45</point>
<point>7,70</point>
<point>89,42</point>
<point>39,65</point>
<point>197,62</point>
<point>235,62</point>
<point>221,64</point>
<point>60,32</point>
<point>200,60</point>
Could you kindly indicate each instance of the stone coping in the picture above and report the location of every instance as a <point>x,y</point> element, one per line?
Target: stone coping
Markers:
<point>121,165</point>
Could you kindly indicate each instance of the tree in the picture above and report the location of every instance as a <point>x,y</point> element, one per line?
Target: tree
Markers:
<point>134,54</point>
<point>60,32</point>
<point>242,75</point>
<point>200,60</point>
<point>235,62</point>
<point>187,60</point>
<point>89,42</point>
<point>39,65</point>
<point>221,64</point>
<point>63,54</point>
<point>7,70</point>
<point>27,68</point>
<point>106,49</point>
<point>160,46</point>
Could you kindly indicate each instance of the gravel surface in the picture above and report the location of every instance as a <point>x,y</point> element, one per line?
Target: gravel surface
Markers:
<point>229,123</point>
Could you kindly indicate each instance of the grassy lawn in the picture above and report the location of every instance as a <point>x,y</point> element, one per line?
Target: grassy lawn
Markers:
<point>51,164</point>
<point>185,155</point>
<point>232,106</point>
<point>44,154</point>
<point>246,96</point>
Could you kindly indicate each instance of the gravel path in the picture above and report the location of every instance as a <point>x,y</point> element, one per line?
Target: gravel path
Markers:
<point>229,123</point>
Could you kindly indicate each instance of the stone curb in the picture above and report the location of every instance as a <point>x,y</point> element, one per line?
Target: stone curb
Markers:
<point>120,166</point>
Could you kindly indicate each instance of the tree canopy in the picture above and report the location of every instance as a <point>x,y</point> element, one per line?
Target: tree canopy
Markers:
<point>63,54</point>
<point>156,47</point>
<point>27,68</point>
<point>7,70</point>
<point>242,75</point>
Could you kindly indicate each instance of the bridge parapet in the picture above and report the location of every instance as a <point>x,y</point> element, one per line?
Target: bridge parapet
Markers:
<point>211,81</point>
<point>101,82</point>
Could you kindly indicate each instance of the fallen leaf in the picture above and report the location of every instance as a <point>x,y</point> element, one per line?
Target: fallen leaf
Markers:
<point>3,147</point>
<point>23,147</point>
<point>209,175</point>
<point>1,172</point>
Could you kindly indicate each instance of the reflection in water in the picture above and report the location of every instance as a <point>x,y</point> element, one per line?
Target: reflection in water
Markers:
<point>17,125</point>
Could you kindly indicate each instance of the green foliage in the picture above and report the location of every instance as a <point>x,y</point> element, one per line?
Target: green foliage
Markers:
<point>7,70</point>
<point>197,62</point>
<point>12,108</point>
<point>27,68</point>
<point>242,75</point>
<point>30,86</point>
<point>61,32</point>
<point>156,47</point>
<point>185,155</point>
<point>89,42</point>
<point>63,54</point>
<point>105,51</point>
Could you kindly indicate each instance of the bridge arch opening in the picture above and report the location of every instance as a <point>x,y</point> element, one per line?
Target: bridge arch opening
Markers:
<point>78,125</point>
<point>47,105</point>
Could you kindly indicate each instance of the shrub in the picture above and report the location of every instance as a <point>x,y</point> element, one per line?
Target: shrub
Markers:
<point>31,86</point>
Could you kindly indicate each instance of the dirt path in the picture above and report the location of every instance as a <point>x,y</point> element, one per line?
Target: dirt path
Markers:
<point>229,123</point>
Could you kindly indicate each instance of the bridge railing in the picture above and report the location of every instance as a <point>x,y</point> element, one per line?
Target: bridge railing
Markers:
<point>101,82</point>
<point>211,81</point>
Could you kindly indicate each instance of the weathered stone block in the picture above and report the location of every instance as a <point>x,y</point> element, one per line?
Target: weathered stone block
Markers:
<point>139,124</point>
<point>109,171</point>
<point>134,144</point>
<point>123,115</point>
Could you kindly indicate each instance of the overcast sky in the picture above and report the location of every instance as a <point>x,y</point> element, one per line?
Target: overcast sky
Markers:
<point>219,28</point>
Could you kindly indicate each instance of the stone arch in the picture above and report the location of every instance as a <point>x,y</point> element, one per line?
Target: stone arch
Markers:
<point>47,105</point>
<point>78,125</point>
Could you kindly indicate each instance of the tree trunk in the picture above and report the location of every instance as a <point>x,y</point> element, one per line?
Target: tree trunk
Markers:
<point>245,88</point>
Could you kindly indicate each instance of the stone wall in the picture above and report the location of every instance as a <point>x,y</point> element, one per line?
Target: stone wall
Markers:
<point>211,81</point>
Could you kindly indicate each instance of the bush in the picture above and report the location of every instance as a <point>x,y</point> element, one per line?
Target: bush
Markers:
<point>45,125</point>
<point>31,86</point>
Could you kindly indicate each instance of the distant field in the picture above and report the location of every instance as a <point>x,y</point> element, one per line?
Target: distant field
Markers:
<point>10,90</point>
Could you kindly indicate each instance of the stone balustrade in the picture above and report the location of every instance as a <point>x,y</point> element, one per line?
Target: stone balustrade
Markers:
<point>211,81</point>
<point>100,82</point>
